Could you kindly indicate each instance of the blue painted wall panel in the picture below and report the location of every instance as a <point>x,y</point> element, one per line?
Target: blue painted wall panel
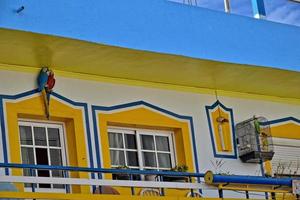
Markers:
<point>160,26</point>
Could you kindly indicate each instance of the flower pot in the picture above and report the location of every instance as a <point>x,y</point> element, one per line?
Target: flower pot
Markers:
<point>182,179</point>
<point>121,177</point>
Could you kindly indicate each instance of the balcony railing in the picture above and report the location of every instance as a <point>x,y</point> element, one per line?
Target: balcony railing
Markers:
<point>193,185</point>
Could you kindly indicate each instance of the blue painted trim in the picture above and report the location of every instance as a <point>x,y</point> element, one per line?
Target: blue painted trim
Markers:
<point>96,139</point>
<point>141,103</point>
<point>99,170</point>
<point>220,155</point>
<point>276,121</point>
<point>3,135</point>
<point>29,93</point>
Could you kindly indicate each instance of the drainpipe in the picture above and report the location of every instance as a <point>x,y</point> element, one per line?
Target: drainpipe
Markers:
<point>227,6</point>
<point>258,8</point>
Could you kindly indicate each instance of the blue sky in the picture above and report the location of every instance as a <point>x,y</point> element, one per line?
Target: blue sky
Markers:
<point>282,11</point>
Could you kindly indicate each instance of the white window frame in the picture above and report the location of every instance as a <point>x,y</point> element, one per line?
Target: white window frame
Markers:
<point>138,132</point>
<point>45,124</point>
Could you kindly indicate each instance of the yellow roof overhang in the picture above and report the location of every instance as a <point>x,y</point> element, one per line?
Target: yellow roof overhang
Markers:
<point>35,50</point>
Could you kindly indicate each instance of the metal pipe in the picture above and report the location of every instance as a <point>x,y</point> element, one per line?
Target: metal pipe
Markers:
<point>211,178</point>
<point>227,6</point>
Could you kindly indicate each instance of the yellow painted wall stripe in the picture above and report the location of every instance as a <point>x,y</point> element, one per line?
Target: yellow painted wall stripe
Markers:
<point>165,86</point>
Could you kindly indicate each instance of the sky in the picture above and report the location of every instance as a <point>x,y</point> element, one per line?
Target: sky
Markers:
<point>282,11</point>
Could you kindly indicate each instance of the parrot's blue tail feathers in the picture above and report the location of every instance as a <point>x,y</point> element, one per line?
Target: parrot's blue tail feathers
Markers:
<point>48,98</point>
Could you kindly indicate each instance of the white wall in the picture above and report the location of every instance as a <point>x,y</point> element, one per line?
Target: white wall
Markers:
<point>104,94</point>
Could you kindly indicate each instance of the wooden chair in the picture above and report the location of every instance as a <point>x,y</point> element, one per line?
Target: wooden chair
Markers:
<point>150,192</point>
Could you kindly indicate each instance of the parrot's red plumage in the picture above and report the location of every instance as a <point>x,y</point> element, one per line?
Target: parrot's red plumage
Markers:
<point>51,81</point>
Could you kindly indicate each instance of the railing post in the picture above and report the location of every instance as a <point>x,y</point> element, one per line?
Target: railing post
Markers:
<point>220,193</point>
<point>132,188</point>
<point>258,8</point>
<point>227,6</point>
<point>67,186</point>
<point>192,191</point>
<point>161,177</point>
<point>31,173</point>
<point>247,194</point>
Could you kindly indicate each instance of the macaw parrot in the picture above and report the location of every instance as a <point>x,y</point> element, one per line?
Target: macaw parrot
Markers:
<point>42,78</point>
<point>50,84</point>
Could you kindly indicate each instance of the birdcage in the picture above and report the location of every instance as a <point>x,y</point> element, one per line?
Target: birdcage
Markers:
<point>254,140</point>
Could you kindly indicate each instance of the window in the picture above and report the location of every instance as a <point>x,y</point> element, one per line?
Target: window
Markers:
<point>42,144</point>
<point>141,149</point>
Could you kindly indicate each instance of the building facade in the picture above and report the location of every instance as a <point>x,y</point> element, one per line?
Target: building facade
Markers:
<point>132,99</point>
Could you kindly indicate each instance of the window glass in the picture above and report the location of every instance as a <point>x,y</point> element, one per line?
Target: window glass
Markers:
<point>132,158</point>
<point>27,158</point>
<point>164,160</point>
<point>42,159</point>
<point>117,157</point>
<point>130,141</point>
<point>25,135</point>
<point>40,136</point>
<point>55,157</point>
<point>149,159</point>
<point>53,137</point>
<point>27,155</point>
<point>41,156</point>
<point>162,143</point>
<point>147,142</point>
<point>115,140</point>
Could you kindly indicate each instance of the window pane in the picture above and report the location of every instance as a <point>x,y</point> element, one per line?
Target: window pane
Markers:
<point>27,158</point>
<point>132,158</point>
<point>53,137</point>
<point>162,143</point>
<point>40,136</point>
<point>55,157</point>
<point>42,159</point>
<point>41,156</point>
<point>149,159</point>
<point>25,135</point>
<point>164,160</point>
<point>147,142</point>
<point>117,157</point>
<point>115,140</point>
<point>130,141</point>
<point>27,155</point>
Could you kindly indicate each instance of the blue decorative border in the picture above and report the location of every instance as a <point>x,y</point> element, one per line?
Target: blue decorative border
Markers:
<point>139,103</point>
<point>218,155</point>
<point>276,121</point>
<point>29,93</point>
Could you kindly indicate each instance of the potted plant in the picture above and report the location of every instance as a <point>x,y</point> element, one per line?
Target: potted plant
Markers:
<point>121,176</point>
<point>177,168</point>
